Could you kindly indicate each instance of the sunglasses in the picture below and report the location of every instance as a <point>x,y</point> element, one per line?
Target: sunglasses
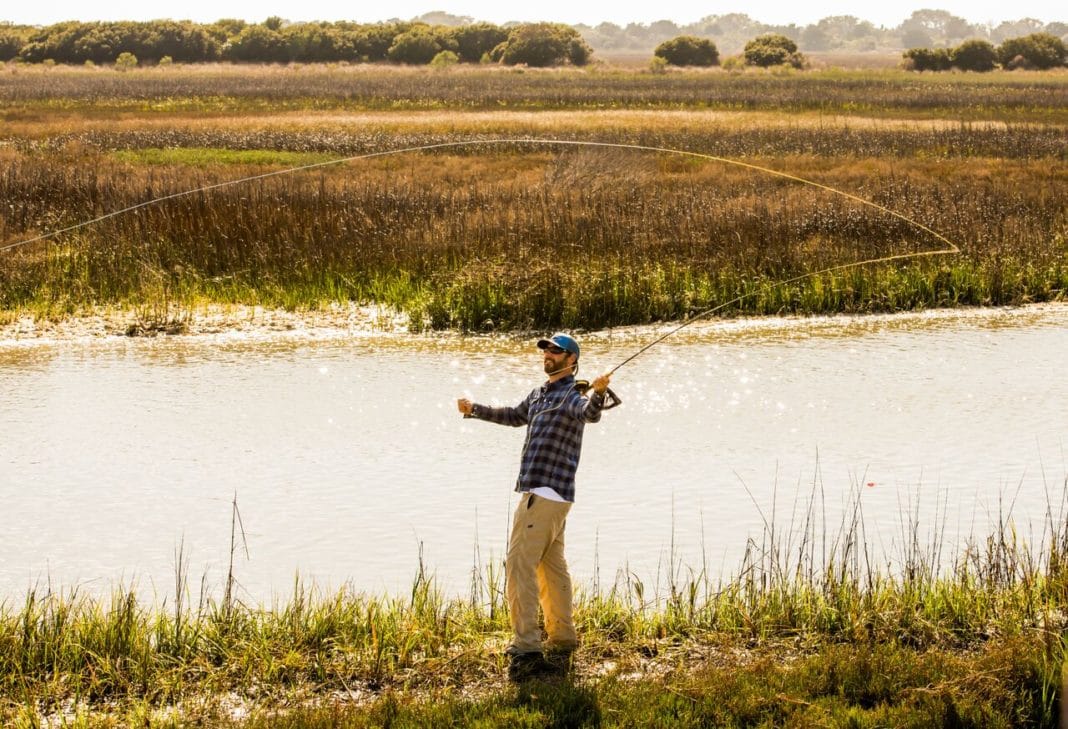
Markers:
<point>553,349</point>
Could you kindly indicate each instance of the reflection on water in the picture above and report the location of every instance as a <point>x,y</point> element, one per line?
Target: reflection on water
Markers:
<point>346,455</point>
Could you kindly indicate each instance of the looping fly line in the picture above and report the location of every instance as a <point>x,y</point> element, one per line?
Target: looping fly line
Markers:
<point>951,248</point>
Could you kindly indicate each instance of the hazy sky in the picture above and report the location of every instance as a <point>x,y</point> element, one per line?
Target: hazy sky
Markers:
<point>887,13</point>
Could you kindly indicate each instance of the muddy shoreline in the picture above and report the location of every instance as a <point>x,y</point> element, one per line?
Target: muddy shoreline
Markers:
<point>102,323</point>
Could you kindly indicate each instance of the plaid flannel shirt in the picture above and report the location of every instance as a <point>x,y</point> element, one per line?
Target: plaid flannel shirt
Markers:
<point>555,415</point>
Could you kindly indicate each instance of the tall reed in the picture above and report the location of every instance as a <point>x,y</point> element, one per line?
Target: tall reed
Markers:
<point>801,585</point>
<point>553,244</point>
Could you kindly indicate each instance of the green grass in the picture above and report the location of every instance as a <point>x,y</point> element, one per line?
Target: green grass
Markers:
<point>836,685</point>
<point>801,634</point>
<point>205,157</point>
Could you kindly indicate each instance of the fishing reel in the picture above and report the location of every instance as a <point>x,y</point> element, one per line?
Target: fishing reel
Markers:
<point>611,399</point>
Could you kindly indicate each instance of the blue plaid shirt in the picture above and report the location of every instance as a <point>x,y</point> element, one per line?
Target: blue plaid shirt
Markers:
<point>555,415</point>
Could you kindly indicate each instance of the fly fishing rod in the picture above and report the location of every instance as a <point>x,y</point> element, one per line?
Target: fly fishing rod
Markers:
<point>950,249</point>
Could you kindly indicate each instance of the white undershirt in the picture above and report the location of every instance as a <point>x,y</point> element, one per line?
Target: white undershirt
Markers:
<point>546,493</point>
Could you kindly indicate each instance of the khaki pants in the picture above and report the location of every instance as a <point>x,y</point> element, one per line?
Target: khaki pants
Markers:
<point>536,572</point>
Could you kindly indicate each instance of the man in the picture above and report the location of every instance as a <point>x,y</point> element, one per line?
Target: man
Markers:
<point>535,570</point>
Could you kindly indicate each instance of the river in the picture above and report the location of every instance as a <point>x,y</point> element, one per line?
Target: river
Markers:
<point>349,463</point>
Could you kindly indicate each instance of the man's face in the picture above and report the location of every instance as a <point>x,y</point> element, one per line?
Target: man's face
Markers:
<point>556,359</point>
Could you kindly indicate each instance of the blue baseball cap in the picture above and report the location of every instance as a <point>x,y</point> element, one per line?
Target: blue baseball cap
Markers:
<point>564,341</point>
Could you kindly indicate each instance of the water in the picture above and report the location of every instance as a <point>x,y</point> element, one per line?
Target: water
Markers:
<point>348,459</point>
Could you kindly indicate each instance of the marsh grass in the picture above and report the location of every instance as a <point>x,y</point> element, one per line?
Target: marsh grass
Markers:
<point>486,241</point>
<point>260,89</point>
<point>478,239</point>
<point>812,624</point>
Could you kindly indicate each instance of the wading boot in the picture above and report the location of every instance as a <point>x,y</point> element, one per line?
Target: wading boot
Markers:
<point>562,659</point>
<point>527,666</point>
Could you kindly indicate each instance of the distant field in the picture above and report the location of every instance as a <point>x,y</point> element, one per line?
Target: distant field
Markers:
<point>1006,96</point>
<point>469,237</point>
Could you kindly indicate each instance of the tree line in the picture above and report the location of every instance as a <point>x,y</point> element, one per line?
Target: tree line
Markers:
<point>275,41</point>
<point>1034,51</point>
<point>842,33</point>
<point>936,39</point>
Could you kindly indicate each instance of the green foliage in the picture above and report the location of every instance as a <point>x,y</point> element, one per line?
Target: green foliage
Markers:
<point>257,44</point>
<point>225,29</point>
<point>472,42</point>
<point>543,44</point>
<point>372,42</point>
<point>444,59</point>
<point>99,42</point>
<point>688,50</point>
<point>974,55</point>
<point>927,59</point>
<point>773,49</point>
<point>418,46</point>
<point>1035,51</point>
<point>126,61</point>
<point>316,43</point>
<point>1038,50</point>
<point>273,41</point>
<point>10,45</point>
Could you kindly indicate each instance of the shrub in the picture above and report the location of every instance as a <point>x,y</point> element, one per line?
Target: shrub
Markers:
<point>578,51</point>
<point>773,49</point>
<point>1038,50</point>
<point>1019,63</point>
<point>10,45</point>
<point>927,59</point>
<point>126,60</point>
<point>166,61</point>
<point>416,46</point>
<point>734,63</point>
<point>688,50</point>
<point>974,55</point>
<point>444,59</point>
<point>543,44</point>
<point>473,42</point>
<point>658,64</point>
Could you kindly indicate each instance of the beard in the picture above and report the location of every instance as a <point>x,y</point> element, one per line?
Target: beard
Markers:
<point>554,366</point>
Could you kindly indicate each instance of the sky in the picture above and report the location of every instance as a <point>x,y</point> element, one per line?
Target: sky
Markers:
<point>888,13</point>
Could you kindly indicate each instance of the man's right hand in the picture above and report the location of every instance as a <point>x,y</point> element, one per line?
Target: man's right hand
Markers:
<point>465,406</point>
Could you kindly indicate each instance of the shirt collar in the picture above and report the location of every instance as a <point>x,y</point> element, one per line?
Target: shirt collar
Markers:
<point>562,382</point>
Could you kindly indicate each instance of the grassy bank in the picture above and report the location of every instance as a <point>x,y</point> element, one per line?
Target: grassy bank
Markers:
<point>812,628</point>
